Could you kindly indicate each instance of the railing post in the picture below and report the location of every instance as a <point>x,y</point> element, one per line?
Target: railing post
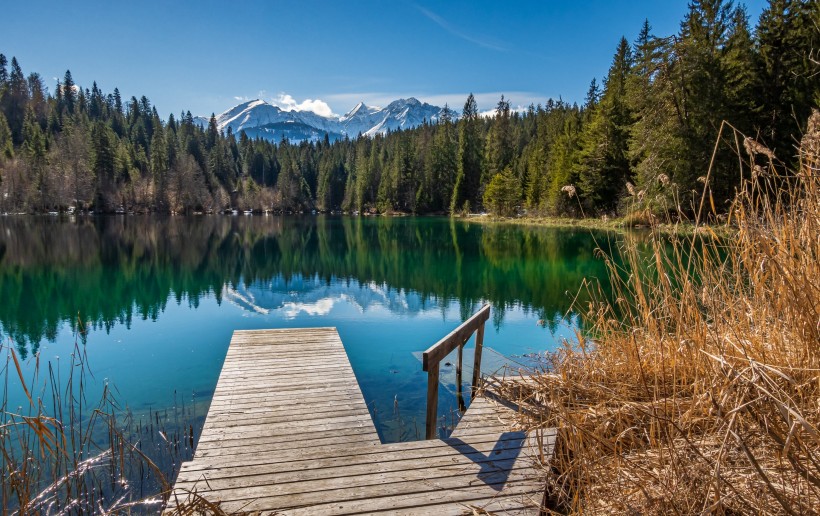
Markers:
<point>479,343</point>
<point>432,402</point>
<point>459,389</point>
<point>430,362</point>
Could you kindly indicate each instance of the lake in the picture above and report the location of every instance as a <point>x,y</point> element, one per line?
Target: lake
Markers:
<point>161,296</point>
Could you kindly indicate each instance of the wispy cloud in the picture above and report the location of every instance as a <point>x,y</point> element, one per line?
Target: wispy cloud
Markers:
<point>456,31</point>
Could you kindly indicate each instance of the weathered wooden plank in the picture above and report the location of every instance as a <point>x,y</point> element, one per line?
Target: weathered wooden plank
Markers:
<point>272,442</point>
<point>250,419</point>
<point>455,452</point>
<point>280,403</point>
<point>311,397</point>
<point>229,416</point>
<point>307,479</point>
<point>517,497</point>
<point>347,500</point>
<point>253,431</point>
<point>295,494</point>
<point>239,451</point>
<point>223,396</point>
<point>288,431</point>
<point>500,504</point>
<point>354,452</point>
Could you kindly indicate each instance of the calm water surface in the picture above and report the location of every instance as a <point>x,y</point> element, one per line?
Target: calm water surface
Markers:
<point>162,295</point>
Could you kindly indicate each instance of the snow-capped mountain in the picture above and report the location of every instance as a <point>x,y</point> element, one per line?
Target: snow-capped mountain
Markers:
<point>258,118</point>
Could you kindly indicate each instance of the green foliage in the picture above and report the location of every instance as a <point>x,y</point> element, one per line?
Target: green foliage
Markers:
<point>603,165</point>
<point>786,81</point>
<point>6,147</point>
<point>503,194</point>
<point>656,116</point>
<point>470,151</point>
<point>499,147</point>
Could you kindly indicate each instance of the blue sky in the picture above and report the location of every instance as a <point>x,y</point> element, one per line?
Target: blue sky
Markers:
<point>326,56</point>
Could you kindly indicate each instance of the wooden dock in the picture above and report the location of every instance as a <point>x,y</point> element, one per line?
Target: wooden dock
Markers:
<point>288,432</point>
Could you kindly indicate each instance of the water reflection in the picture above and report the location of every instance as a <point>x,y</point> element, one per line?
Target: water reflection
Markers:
<point>162,296</point>
<point>115,270</point>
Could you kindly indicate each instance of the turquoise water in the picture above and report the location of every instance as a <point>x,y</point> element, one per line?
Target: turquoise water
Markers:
<point>161,297</point>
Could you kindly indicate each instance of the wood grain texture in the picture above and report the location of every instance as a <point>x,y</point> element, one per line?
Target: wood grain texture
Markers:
<point>288,432</point>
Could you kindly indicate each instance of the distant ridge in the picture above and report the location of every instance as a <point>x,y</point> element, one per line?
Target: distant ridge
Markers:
<point>260,119</point>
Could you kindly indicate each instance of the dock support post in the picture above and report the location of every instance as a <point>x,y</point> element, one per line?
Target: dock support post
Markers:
<point>459,389</point>
<point>435,353</point>
<point>432,402</point>
<point>479,343</point>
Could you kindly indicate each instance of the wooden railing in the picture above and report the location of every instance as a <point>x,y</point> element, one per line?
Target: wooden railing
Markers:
<point>435,353</point>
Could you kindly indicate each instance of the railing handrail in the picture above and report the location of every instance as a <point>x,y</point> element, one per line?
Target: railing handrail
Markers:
<point>458,337</point>
<point>436,353</point>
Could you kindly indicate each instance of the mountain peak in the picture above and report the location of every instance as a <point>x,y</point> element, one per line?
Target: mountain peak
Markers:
<point>258,118</point>
<point>361,107</point>
<point>410,101</point>
<point>248,104</point>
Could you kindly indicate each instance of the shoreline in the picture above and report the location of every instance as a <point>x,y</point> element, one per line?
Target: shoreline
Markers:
<point>615,225</point>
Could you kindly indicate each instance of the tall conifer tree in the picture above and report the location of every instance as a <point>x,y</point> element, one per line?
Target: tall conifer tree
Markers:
<point>470,150</point>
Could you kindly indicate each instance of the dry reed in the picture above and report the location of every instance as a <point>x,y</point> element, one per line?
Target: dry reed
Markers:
<point>62,454</point>
<point>698,388</point>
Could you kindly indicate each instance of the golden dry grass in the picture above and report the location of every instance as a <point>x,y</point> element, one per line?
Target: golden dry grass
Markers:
<point>698,388</point>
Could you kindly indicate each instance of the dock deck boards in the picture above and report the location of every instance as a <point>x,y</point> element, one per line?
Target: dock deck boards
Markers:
<point>288,432</point>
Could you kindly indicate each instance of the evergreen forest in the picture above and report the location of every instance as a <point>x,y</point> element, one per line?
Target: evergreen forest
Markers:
<point>644,138</point>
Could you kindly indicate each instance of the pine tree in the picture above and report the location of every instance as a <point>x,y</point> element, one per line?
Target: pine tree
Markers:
<point>704,103</point>
<point>327,174</point>
<point>470,151</point>
<point>159,155</point>
<point>82,100</point>
<point>591,99</point>
<point>4,74</point>
<point>15,101</point>
<point>603,166</point>
<point>103,152</point>
<point>562,173</point>
<point>787,85</point>
<point>35,148</point>
<point>436,189</point>
<point>4,81</point>
<point>499,148</point>
<point>740,64</point>
<point>503,194</point>
<point>117,101</point>
<point>69,95</point>
<point>38,98</point>
<point>95,107</point>
<point>212,133</point>
<point>6,147</point>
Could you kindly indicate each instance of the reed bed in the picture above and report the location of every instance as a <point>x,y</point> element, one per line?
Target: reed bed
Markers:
<point>698,388</point>
<point>62,452</point>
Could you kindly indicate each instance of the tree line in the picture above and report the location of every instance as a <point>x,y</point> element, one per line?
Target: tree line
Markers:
<point>644,137</point>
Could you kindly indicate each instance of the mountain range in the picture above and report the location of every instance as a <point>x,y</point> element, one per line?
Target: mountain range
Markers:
<point>260,119</point>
